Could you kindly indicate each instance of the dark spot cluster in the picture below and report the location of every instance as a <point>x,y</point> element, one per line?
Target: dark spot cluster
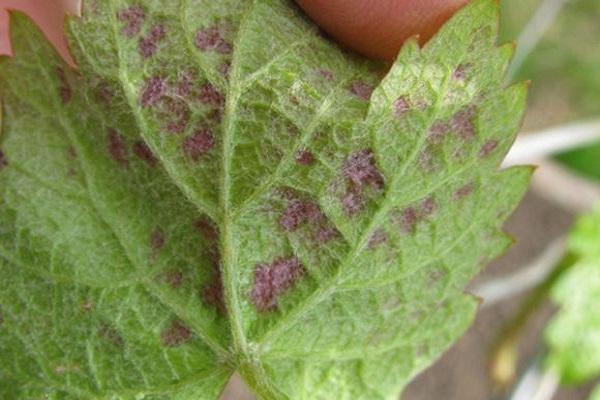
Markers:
<point>133,17</point>
<point>64,90</point>
<point>488,148</point>
<point>409,217</point>
<point>153,91</point>
<point>111,335</point>
<point>326,74</point>
<point>199,144</point>
<point>148,45</point>
<point>141,150</point>
<point>361,173</point>
<point>173,278</point>
<point>172,99</point>
<point>3,160</point>
<point>305,157</point>
<point>401,106</point>
<point>207,229</point>
<point>461,124</point>
<point>212,293</point>
<point>377,238</point>
<point>157,240</point>
<point>461,72</point>
<point>117,147</point>
<point>464,191</point>
<point>362,90</point>
<point>274,279</point>
<point>212,39</point>
<point>300,211</point>
<point>176,334</point>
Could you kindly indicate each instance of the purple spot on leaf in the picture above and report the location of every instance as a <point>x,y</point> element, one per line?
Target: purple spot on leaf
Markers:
<point>111,335</point>
<point>176,334</point>
<point>361,90</point>
<point>462,123</point>
<point>464,191</point>
<point>64,89</point>
<point>401,106</point>
<point>178,115</point>
<point>117,148</point>
<point>305,157</point>
<point>142,150</point>
<point>174,278</point>
<point>438,131</point>
<point>353,202</point>
<point>326,234</point>
<point>298,212</point>
<point>209,95</point>
<point>361,171</point>
<point>154,89</point>
<point>461,72</point>
<point>488,148</point>
<point>149,44</point>
<point>157,240</point>
<point>211,39</point>
<point>212,294</point>
<point>207,229</point>
<point>378,238</point>
<point>133,17</point>
<point>273,280</point>
<point>408,219</point>
<point>428,207</point>
<point>198,144</point>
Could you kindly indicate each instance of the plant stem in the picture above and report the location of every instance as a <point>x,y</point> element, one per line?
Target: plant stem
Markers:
<point>505,355</point>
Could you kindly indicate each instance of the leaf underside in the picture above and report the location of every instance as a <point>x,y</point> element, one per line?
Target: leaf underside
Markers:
<point>573,335</point>
<point>219,188</point>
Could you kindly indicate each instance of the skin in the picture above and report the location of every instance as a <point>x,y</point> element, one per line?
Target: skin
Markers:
<point>374,28</point>
<point>377,28</point>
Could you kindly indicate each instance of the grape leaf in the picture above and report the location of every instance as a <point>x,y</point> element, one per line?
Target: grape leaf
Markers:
<point>573,335</point>
<point>219,188</point>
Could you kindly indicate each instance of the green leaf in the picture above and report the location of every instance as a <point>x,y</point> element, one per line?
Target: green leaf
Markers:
<point>218,190</point>
<point>574,334</point>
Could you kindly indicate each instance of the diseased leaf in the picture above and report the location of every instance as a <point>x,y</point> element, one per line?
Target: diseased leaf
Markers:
<point>220,188</point>
<point>574,334</point>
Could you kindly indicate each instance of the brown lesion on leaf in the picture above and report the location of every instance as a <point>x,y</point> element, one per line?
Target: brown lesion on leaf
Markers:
<point>212,293</point>
<point>488,148</point>
<point>401,106</point>
<point>199,144</point>
<point>174,278</point>
<point>304,157</point>
<point>176,334</point>
<point>378,237</point>
<point>177,114</point>
<point>208,94</point>
<point>409,217</point>
<point>464,191</point>
<point>133,17</point>
<point>157,240</point>
<point>272,280</point>
<point>326,74</point>
<point>148,45</point>
<point>207,229</point>
<point>144,153</point>
<point>213,39</point>
<point>64,89</point>
<point>117,148</point>
<point>3,160</point>
<point>111,335</point>
<point>462,71</point>
<point>362,90</point>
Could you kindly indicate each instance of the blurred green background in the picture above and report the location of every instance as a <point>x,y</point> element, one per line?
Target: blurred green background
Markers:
<point>564,69</point>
